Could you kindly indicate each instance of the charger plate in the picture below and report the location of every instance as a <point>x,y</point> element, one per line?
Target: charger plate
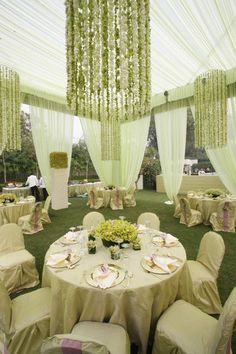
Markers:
<point>120,275</point>
<point>65,263</point>
<point>155,269</point>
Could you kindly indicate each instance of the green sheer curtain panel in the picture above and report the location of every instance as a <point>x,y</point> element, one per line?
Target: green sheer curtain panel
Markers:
<point>133,142</point>
<point>224,159</point>
<point>52,131</point>
<point>171,137</point>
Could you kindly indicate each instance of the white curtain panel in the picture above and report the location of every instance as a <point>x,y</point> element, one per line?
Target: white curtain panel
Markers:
<point>133,142</point>
<point>224,159</point>
<point>52,131</point>
<point>171,138</point>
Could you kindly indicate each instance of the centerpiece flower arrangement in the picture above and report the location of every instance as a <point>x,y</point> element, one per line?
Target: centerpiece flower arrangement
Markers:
<point>214,193</point>
<point>7,197</point>
<point>113,230</point>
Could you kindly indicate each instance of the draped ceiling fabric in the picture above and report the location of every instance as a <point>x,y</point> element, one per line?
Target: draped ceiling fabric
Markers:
<point>52,131</point>
<point>188,37</point>
<point>171,138</point>
<point>133,142</point>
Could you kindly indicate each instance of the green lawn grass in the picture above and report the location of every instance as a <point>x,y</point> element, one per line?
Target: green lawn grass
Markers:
<point>151,201</point>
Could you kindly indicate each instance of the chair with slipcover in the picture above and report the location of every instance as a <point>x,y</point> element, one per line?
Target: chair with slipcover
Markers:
<point>25,320</point>
<point>116,201</point>
<point>30,224</point>
<point>149,220</point>
<point>177,212</point>
<point>189,217</point>
<point>224,218</point>
<point>204,273</point>
<point>94,201</point>
<point>91,338</point>
<point>3,341</point>
<point>17,265</point>
<point>45,217</point>
<point>129,198</point>
<point>92,219</point>
<point>185,329</point>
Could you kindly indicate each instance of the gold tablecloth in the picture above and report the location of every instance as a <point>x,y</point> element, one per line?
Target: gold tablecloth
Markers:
<point>12,212</point>
<point>82,188</point>
<point>136,308</point>
<point>106,195</point>
<point>206,206</point>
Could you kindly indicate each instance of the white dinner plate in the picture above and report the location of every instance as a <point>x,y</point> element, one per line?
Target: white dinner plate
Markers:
<point>66,263</point>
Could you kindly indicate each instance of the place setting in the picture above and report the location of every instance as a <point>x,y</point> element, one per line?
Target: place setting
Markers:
<point>63,260</point>
<point>105,275</point>
<point>162,239</point>
<point>160,264</point>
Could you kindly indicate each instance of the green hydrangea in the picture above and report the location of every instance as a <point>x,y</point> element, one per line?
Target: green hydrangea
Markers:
<point>111,230</point>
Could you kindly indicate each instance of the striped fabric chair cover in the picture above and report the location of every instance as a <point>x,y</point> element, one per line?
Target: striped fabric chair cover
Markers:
<point>224,218</point>
<point>32,223</point>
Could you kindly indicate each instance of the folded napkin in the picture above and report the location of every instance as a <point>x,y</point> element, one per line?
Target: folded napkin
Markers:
<point>163,262</point>
<point>104,276</point>
<point>57,259</point>
<point>170,240</point>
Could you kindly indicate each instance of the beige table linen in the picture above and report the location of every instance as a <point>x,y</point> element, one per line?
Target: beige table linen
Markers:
<point>136,307</point>
<point>12,212</point>
<point>206,206</point>
<point>82,188</point>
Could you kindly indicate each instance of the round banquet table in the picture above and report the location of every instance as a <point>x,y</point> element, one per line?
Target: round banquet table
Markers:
<point>11,212</point>
<point>207,206</point>
<point>136,307</point>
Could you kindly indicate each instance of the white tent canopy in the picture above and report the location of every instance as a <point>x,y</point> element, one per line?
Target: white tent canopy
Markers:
<point>188,37</point>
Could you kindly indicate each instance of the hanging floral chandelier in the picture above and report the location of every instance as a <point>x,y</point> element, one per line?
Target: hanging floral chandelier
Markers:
<point>210,98</point>
<point>108,64</point>
<point>10,128</point>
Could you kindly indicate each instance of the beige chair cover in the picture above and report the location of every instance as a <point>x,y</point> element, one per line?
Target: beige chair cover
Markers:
<point>45,217</point>
<point>204,273</point>
<point>177,213</point>
<point>69,343</point>
<point>25,320</point>
<point>116,202</point>
<point>189,217</point>
<point>224,218</point>
<point>94,201</point>
<point>17,265</point>
<point>150,220</point>
<point>129,198</point>
<point>185,329</point>
<point>32,223</point>
<point>92,219</point>
<point>113,336</point>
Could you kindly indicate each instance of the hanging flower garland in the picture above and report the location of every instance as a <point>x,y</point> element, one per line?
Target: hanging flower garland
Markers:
<point>10,126</point>
<point>108,64</point>
<point>210,94</point>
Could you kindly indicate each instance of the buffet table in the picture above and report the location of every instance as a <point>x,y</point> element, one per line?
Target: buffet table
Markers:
<point>18,191</point>
<point>12,211</point>
<point>134,303</point>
